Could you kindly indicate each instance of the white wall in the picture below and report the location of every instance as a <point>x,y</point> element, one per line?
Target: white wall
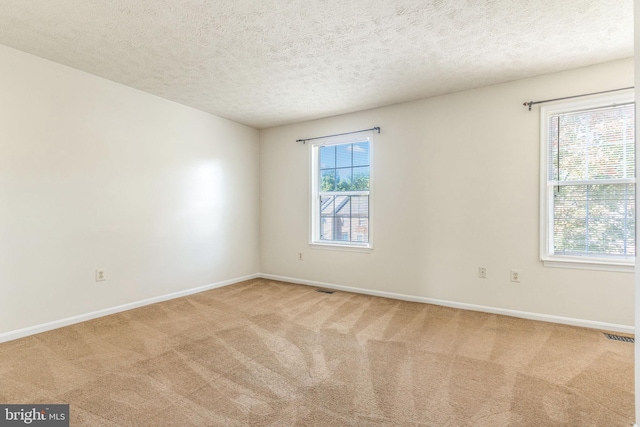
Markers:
<point>94,174</point>
<point>456,187</point>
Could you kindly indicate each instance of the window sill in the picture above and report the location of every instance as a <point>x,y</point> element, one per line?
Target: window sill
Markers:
<point>596,264</point>
<point>338,247</point>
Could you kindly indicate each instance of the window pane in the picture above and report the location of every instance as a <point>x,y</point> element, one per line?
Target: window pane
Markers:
<point>326,228</point>
<point>595,220</point>
<point>360,206</point>
<point>552,157</point>
<point>360,218</point>
<point>327,157</point>
<point>328,180</point>
<point>343,155</point>
<point>343,228</point>
<point>592,144</point>
<point>361,154</point>
<point>327,205</point>
<point>360,230</point>
<point>343,205</point>
<point>343,179</point>
<point>344,218</point>
<point>360,180</point>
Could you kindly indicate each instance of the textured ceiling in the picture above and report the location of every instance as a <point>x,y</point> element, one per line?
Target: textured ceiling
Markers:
<point>270,62</point>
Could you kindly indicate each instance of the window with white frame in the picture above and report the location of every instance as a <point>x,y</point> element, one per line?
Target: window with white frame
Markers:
<point>341,191</point>
<point>588,183</point>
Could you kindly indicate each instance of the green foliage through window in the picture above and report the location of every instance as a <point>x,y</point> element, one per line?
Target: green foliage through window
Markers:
<point>344,167</point>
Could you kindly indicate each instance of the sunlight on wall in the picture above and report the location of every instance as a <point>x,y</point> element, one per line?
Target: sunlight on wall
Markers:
<point>205,196</point>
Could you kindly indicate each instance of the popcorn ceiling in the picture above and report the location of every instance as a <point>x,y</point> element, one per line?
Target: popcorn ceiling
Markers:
<point>270,62</point>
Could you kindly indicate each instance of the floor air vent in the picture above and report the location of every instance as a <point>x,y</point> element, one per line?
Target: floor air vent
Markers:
<point>620,338</point>
<point>325,291</point>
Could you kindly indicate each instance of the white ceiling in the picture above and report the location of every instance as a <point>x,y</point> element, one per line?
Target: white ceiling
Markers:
<point>270,62</point>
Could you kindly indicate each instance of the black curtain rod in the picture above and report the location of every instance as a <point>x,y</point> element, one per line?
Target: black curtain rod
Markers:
<point>530,103</point>
<point>304,141</point>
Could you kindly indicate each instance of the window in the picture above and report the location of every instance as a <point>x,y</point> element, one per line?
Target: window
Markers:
<point>341,191</point>
<point>588,183</point>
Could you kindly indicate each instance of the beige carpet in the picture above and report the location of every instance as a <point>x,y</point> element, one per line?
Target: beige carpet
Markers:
<point>276,354</point>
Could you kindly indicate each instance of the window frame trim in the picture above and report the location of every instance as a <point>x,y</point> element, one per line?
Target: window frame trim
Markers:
<point>314,217</point>
<point>548,258</point>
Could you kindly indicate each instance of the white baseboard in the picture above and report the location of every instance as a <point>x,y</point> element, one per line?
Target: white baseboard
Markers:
<point>36,329</point>
<point>31,330</point>
<point>493,310</point>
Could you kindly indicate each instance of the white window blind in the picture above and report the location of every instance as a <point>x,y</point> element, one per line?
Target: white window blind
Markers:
<point>591,182</point>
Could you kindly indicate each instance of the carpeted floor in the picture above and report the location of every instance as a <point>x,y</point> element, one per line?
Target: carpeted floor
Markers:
<point>274,354</point>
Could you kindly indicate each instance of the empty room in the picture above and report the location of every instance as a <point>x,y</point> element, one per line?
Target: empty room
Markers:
<point>318,213</point>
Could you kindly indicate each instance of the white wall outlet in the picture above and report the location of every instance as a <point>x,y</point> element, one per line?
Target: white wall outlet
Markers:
<point>516,276</point>
<point>101,275</point>
<point>300,256</point>
<point>482,272</point>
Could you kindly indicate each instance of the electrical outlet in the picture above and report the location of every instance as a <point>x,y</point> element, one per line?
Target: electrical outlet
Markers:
<point>300,256</point>
<point>482,272</point>
<point>101,275</point>
<point>516,276</point>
